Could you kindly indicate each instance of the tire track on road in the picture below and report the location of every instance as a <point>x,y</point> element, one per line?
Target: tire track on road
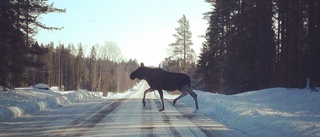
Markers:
<point>147,119</point>
<point>90,123</point>
<point>85,116</point>
<point>97,118</point>
<point>166,120</point>
<point>208,126</point>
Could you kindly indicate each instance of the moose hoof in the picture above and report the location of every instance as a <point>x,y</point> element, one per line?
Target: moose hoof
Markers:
<point>174,102</point>
<point>144,103</point>
<point>161,109</point>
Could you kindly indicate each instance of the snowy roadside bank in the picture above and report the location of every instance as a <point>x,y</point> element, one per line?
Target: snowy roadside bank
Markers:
<point>265,113</point>
<point>21,101</point>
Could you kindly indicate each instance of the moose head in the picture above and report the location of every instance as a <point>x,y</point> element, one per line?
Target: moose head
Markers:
<point>138,73</point>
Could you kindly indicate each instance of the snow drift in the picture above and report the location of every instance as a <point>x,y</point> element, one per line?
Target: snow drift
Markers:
<point>27,100</point>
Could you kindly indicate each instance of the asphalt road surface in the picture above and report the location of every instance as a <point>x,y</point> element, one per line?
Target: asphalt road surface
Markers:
<point>117,117</point>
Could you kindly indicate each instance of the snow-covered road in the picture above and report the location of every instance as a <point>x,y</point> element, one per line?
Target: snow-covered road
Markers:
<point>116,117</point>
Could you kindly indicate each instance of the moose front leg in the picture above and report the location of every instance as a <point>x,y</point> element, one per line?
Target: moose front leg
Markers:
<point>161,97</point>
<point>144,96</point>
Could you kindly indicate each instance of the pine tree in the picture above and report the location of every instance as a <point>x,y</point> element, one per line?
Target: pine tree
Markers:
<point>313,48</point>
<point>48,57</point>
<point>79,64</point>
<point>93,69</point>
<point>181,47</point>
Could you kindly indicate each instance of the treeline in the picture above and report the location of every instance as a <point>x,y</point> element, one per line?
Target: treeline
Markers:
<point>68,68</point>
<point>255,44</point>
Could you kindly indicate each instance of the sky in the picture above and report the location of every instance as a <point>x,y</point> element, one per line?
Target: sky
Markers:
<point>142,29</point>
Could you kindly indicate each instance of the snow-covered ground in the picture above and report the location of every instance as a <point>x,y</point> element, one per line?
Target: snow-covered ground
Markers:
<point>268,112</point>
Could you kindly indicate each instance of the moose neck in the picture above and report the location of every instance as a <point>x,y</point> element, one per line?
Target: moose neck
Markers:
<point>147,74</point>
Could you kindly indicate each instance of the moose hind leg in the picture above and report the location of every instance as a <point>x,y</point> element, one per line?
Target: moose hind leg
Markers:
<point>184,93</point>
<point>194,95</point>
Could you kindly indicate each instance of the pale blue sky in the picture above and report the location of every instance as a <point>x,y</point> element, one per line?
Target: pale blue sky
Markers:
<point>142,29</point>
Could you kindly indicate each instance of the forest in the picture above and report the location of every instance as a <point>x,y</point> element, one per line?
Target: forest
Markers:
<point>24,62</point>
<point>256,44</point>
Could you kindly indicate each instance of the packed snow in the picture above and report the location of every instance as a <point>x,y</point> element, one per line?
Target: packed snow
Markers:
<point>267,112</point>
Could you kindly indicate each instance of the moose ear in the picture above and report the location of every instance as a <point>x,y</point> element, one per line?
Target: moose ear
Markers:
<point>141,64</point>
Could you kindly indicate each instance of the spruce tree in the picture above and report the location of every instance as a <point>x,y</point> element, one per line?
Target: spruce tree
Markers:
<point>93,69</point>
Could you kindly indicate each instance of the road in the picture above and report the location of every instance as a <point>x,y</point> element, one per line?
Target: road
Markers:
<point>117,117</point>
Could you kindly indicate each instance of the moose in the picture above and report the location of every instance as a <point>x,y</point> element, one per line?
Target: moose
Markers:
<point>159,79</point>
